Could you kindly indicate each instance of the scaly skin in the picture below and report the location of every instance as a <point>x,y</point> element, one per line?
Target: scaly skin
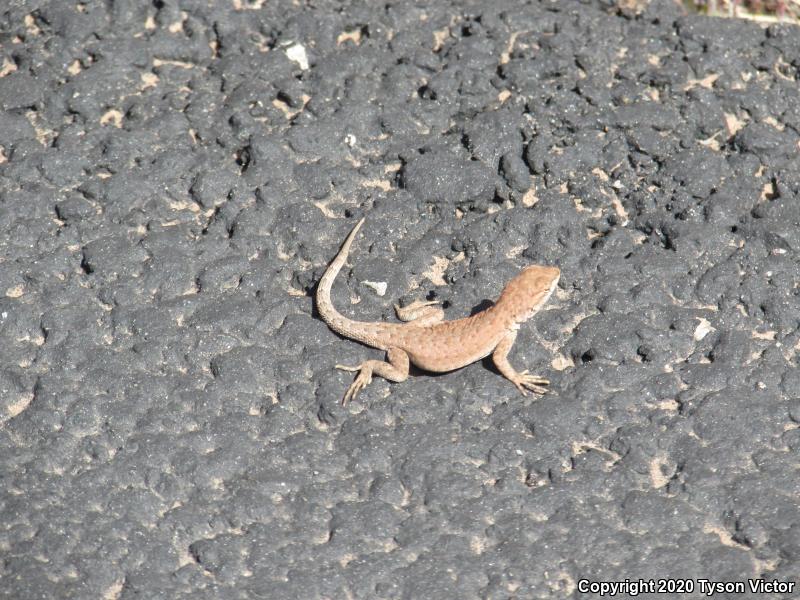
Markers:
<point>433,344</point>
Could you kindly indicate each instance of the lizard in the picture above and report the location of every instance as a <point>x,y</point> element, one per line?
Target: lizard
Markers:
<point>433,344</point>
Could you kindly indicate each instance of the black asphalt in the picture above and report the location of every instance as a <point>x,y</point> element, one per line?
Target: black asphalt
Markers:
<point>175,176</point>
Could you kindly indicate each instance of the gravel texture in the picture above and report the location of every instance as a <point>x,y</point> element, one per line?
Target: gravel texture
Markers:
<point>175,176</point>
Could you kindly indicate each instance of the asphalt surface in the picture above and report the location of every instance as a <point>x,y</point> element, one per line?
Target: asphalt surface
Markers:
<point>174,178</point>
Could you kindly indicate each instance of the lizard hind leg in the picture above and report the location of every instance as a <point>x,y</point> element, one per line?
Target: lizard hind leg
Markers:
<point>396,369</point>
<point>420,313</point>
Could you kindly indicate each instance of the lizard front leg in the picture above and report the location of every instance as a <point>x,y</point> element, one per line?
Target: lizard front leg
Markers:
<point>395,370</point>
<point>522,380</point>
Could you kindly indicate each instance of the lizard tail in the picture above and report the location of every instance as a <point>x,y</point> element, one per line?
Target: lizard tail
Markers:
<point>335,320</point>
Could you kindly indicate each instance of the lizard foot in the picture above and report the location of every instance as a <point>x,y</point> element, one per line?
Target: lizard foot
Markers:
<point>363,379</point>
<point>533,383</point>
<point>421,313</point>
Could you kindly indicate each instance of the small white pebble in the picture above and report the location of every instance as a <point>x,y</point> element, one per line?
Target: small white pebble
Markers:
<point>702,330</point>
<point>379,286</point>
<point>297,53</point>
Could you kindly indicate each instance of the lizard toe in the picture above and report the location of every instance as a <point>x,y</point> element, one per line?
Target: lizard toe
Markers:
<point>537,389</point>
<point>363,380</point>
<point>351,393</point>
<point>533,379</point>
<point>526,382</point>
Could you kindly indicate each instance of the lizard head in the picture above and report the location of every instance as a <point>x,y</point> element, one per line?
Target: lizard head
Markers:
<point>527,292</point>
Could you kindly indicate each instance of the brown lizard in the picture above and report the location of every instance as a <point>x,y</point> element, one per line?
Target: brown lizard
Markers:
<point>437,345</point>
